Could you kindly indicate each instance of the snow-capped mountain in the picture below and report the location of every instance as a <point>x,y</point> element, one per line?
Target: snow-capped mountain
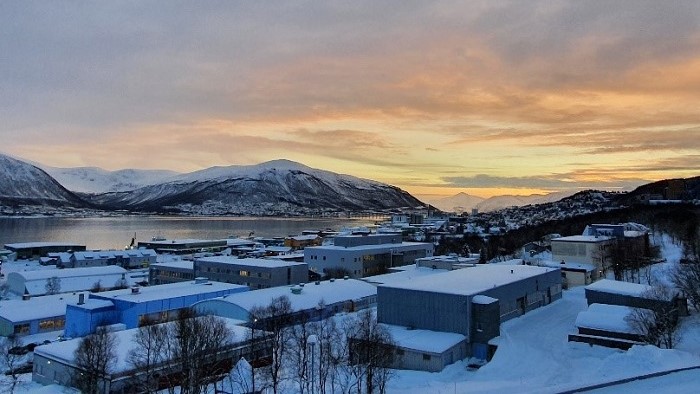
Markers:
<point>22,184</point>
<point>465,202</point>
<point>278,187</point>
<point>95,180</point>
<point>459,202</point>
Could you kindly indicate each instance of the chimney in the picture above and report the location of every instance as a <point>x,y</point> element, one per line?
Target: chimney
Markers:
<point>81,299</point>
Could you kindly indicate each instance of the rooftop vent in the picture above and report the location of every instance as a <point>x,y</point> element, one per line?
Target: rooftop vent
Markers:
<point>135,290</point>
<point>346,277</point>
<point>26,297</point>
<point>332,280</point>
<point>318,282</point>
<point>81,299</point>
<point>296,290</point>
<point>200,280</point>
<point>301,284</point>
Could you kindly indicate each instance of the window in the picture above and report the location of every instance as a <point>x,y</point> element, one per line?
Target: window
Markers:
<point>243,273</point>
<point>426,357</point>
<point>22,328</point>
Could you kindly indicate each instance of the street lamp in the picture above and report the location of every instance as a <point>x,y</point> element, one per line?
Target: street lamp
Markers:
<point>311,340</point>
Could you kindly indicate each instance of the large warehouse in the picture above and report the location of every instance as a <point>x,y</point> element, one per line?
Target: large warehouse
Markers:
<point>472,302</point>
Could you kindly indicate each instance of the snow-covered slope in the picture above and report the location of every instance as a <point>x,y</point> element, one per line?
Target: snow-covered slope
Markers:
<point>271,188</point>
<point>96,180</point>
<point>23,184</point>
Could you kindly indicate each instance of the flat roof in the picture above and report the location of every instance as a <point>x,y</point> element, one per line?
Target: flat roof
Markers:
<point>423,340</point>
<point>71,272</point>
<point>183,241</point>
<point>184,264</point>
<point>611,318</point>
<point>311,294</point>
<point>64,352</point>
<point>166,291</point>
<point>250,262</point>
<point>407,274</point>
<point>37,307</point>
<point>618,287</point>
<point>26,245</point>
<point>567,265</point>
<point>472,280</point>
<point>371,247</point>
<point>582,238</point>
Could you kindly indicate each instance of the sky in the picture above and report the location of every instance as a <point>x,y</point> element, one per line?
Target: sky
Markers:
<point>440,97</point>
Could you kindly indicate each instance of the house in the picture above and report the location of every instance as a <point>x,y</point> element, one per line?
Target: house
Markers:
<point>35,315</point>
<point>32,250</point>
<point>139,305</point>
<point>68,280</point>
<point>255,273</point>
<point>472,302</point>
<point>55,363</point>
<point>171,272</point>
<point>584,249</point>
<point>302,241</point>
<point>316,300</point>
<point>634,295</point>
<point>364,255</point>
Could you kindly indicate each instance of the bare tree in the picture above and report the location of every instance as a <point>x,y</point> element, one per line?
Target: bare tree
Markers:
<point>198,344</point>
<point>148,355</point>
<point>276,318</point>
<point>97,287</point>
<point>11,360</point>
<point>95,357</point>
<point>371,352</point>
<point>657,325</point>
<point>299,357</point>
<point>332,351</point>
<point>240,379</point>
<point>53,285</point>
<point>687,278</point>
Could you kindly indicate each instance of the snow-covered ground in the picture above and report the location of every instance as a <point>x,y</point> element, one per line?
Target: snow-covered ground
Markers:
<point>535,357</point>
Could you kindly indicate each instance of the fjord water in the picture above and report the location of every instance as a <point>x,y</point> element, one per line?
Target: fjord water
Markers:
<point>116,232</point>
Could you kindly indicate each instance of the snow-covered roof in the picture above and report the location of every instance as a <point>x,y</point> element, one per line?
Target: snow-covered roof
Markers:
<point>411,272</point>
<point>566,265</point>
<point>305,237</point>
<point>71,272</point>
<point>311,294</point>
<point>618,287</point>
<point>471,281</point>
<point>93,303</point>
<point>184,264</point>
<point>26,245</point>
<point>105,254</point>
<point>611,318</point>
<point>36,307</point>
<point>279,249</point>
<point>65,351</point>
<point>167,291</point>
<point>184,241</point>
<point>483,300</point>
<point>582,238</point>
<point>423,340</point>
<point>372,247</point>
<point>250,262</point>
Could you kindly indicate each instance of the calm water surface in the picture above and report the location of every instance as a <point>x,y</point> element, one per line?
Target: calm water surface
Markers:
<point>116,232</point>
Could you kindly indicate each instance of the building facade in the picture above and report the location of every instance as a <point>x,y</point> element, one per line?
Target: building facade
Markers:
<point>255,273</point>
<point>365,255</point>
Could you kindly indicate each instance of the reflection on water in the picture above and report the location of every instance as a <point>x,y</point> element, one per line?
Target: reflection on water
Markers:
<point>116,232</point>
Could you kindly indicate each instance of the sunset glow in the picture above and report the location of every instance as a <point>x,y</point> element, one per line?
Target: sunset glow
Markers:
<point>485,97</point>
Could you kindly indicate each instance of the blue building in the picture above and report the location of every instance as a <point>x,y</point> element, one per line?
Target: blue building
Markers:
<point>138,305</point>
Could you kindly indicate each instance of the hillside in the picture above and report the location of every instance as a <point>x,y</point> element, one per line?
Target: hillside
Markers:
<point>279,187</point>
<point>22,184</point>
